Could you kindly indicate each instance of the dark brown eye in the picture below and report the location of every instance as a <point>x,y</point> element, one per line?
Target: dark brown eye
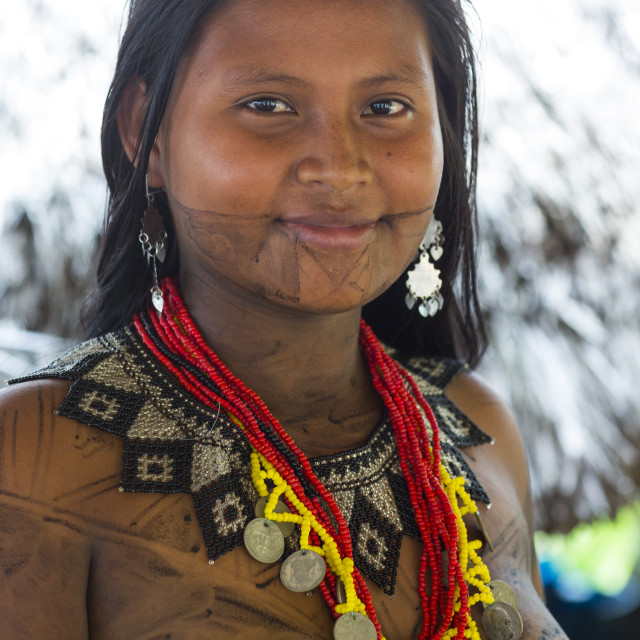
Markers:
<point>268,105</point>
<point>384,108</point>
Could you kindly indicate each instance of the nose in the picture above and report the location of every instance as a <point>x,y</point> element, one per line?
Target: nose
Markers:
<point>334,157</point>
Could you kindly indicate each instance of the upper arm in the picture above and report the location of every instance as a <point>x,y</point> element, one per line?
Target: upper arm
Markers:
<point>502,469</point>
<point>44,553</point>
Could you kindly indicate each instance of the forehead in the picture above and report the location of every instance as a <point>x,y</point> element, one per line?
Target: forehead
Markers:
<point>312,36</point>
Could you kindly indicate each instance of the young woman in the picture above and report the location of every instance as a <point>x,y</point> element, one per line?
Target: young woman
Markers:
<point>234,454</point>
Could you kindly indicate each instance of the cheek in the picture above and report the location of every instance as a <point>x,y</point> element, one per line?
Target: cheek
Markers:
<point>412,171</point>
<point>214,169</point>
<point>218,238</point>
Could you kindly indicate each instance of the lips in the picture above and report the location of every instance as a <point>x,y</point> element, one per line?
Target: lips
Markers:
<point>331,232</point>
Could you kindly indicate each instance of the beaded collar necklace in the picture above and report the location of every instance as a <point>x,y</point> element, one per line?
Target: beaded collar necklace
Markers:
<point>291,494</point>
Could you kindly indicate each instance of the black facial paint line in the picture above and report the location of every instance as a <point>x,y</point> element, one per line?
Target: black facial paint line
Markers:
<point>403,215</point>
<point>18,522</point>
<point>64,523</point>
<point>12,565</point>
<point>255,615</point>
<point>62,498</point>
<point>220,253</point>
<point>287,265</point>
<point>113,487</point>
<point>89,441</point>
<point>363,264</point>
<point>39,443</point>
<point>339,420</point>
<point>518,545</point>
<point>161,569</point>
<point>281,295</point>
<point>355,286</point>
<point>334,278</point>
<point>503,543</point>
<point>264,585</point>
<point>147,514</point>
<point>364,271</point>
<point>418,625</point>
<point>267,569</point>
<point>249,217</point>
<point>263,245</point>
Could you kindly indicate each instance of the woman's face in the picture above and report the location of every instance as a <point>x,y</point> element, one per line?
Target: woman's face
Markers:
<point>301,150</point>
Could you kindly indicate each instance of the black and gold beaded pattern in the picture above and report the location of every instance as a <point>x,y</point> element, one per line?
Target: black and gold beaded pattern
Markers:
<point>173,443</point>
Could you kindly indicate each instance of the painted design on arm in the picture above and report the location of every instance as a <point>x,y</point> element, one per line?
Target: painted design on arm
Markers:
<point>512,561</point>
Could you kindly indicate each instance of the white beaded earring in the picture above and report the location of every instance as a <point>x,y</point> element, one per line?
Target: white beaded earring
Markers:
<point>423,281</point>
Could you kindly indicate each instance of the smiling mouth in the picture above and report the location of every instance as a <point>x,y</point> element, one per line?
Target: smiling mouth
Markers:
<point>331,235</point>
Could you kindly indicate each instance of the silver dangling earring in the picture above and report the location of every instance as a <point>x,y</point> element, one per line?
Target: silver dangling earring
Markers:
<point>423,281</point>
<point>153,238</point>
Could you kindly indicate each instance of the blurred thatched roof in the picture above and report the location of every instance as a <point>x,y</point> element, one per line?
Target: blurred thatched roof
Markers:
<point>560,193</point>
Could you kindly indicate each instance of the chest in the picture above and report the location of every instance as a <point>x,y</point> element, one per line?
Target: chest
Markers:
<point>158,583</point>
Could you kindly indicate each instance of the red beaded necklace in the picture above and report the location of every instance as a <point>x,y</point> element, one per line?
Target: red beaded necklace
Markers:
<point>445,606</point>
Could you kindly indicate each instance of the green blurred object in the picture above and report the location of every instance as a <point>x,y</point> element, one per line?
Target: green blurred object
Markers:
<point>602,555</point>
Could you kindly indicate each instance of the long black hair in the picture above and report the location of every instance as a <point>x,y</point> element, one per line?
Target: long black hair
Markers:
<point>157,35</point>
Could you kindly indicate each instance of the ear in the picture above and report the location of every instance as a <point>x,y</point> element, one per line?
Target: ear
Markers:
<point>130,118</point>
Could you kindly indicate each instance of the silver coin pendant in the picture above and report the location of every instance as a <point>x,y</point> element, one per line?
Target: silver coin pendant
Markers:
<point>286,527</point>
<point>354,626</point>
<point>502,592</point>
<point>263,540</point>
<point>501,621</point>
<point>303,571</point>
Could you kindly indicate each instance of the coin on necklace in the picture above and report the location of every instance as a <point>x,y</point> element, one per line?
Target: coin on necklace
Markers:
<point>354,626</point>
<point>286,527</point>
<point>303,571</point>
<point>501,621</point>
<point>502,592</point>
<point>263,540</point>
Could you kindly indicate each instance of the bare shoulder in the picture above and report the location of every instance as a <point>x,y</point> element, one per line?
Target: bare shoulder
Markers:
<point>474,397</point>
<point>502,469</point>
<point>478,400</point>
<point>27,417</point>
<point>32,395</point>
<point>47,458</point>
<point>41,552</point>
<point>43,453</point>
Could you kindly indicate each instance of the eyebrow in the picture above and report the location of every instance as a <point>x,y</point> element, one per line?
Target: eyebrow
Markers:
<point>241,77</point>
<point>406,74</point>
<point>246,76</point>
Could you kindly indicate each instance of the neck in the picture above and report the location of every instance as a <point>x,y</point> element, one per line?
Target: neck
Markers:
<point>308,369</point>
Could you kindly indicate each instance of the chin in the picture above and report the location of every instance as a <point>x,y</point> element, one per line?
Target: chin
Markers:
<point>331,304</point>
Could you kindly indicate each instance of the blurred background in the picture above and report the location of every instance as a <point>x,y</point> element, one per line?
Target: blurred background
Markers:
<point>559,192</point>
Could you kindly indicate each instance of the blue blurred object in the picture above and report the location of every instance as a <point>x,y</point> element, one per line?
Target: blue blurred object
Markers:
<point>584,613</point>
<point>592,576</point>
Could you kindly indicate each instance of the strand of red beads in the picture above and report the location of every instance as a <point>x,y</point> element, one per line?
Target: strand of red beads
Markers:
<point>418,451</point>
<point>177,331</point>
<point>248,403</point>
<point>420,461</point>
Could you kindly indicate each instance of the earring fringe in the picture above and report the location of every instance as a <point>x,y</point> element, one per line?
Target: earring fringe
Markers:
<point>153,238</point>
